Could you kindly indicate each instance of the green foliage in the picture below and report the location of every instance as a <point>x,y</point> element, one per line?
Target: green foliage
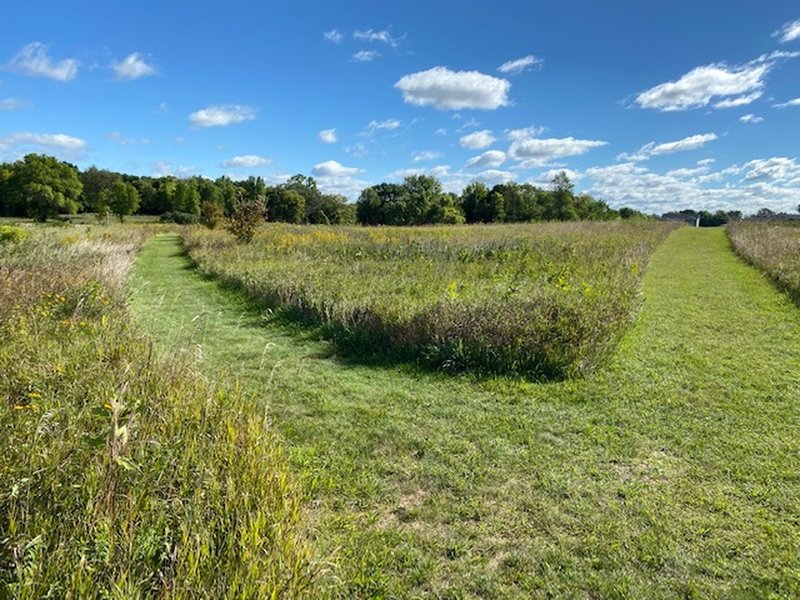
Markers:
<point>124,474</point>
<point>546,301</point>
<point>245,220</point>
<point>186,198</point>
<point>286,205</point>
<point>212,215</point>
<point>41,187</point>
<point>11,234</point>
<point>121,198</point>
<point>181,218</point>
<point>419,200</point>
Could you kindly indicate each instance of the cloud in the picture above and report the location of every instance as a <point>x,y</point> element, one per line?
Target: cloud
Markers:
<point>493,176</point>
<point>751,119</point>
<point>776,169</point>
<point>163,108</point>
<point>248,161</point>
<point>795,102</point>
<point>222,115</point>
<point>477,140</point>
<point>366,55</point>
<point>454,90</point>
<point>538,151</point>
<point>547,176</point>
<point>437,171</point>
<point>490,158</point>
<point>327,136</point>
<point>514,67</point>
<point>524,133</point>
<point>133,66</point>
<point>692,142</point>
<point>119,138</point>
<point>333,36</point>
<point>441,131</point>
<point>59,143</point>
<point>369,35</point>
<point>13,104</point>
<point>735,85</point>
<point>739,100</point>
<point>331,168</point>
<point>163,168</point>
<point>771,182</point>
<point>426,155</point>
<point>388,125</point>
<point>34,61</point>
<point>789,32</point>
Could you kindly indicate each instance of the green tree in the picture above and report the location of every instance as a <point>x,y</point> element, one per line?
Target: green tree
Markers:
<point>286,205</point>
<point>121,198</point>
<point>42,186</point>
<point>95,181</point>
<point>244,221</point>
<point>186,198</point>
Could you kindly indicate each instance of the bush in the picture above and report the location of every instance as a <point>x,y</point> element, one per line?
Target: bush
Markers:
<point>244,221</point>
<point>181,218</point>
<point>11,234</point>
<point>211,214</point>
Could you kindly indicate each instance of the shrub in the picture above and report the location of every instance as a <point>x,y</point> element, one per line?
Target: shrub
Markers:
<point>12,234</point>
<point>181,218</point>
<point>244,221</point>
<point>211,214</point>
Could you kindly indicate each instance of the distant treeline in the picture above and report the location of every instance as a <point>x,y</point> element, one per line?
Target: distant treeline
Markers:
<point>43,187</point>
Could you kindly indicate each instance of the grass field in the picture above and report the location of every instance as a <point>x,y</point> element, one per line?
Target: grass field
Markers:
<point>672,472</point>
<point>547,300</point>
<point>123,476</point>
<point>773,247</point>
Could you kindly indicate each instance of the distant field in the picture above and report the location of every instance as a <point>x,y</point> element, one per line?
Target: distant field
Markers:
<point>773,247</point>
<point>545,300</point>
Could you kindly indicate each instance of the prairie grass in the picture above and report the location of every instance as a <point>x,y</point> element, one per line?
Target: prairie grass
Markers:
<point>123,475</point>
<point>773,247</point>
<point>548,301</point>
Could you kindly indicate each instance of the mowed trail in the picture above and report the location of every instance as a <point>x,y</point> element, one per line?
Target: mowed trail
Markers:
<point>675,471</point>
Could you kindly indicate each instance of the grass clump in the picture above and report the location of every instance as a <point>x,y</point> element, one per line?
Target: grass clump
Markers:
<point>12,234</point>
<point>124,475</point>
<point>548,300</point>
<point>773,247</point>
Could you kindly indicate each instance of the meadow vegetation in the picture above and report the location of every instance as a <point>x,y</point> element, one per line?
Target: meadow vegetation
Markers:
<point>773,247</point>
<point>125,475</point>
<point>547,300</point>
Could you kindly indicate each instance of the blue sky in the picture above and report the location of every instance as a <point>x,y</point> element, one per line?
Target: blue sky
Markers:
<point>660,107</point>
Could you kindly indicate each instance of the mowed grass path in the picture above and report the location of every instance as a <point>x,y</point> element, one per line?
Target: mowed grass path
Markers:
<point>673,473</point>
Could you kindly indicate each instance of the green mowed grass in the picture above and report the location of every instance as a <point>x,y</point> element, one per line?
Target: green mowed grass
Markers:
<point>673,472</point>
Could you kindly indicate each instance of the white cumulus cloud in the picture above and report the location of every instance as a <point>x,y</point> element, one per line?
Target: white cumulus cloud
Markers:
<point>34,61</point>
<point>327,136</point>
<point>454,90</point>
<point>513,67</point>
<point>728,85</point>
<point>489,159</point>
<point>477,140</point>
<point>538,151</point>
<point>222,115</point>
<point>247,161</point>
<point>331,168</point>
<point>58,143</point>
<point>133,66</point>
<point>751,118</point>
<point>789,32</point>
<point>388,125</point>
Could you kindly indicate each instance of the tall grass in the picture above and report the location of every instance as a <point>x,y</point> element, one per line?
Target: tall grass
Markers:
<point>124,476</point>
<point>545,300</point>
<point>773,247</point>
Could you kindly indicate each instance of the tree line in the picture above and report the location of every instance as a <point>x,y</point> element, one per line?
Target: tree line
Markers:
<point>43,187</point>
